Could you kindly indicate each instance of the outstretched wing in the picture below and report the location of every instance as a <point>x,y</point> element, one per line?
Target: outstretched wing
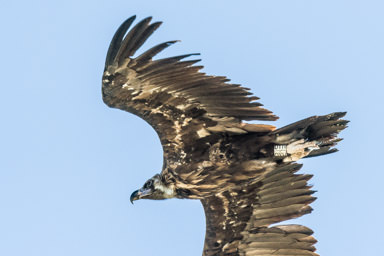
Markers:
<point>181,103</point>
<point>239,220</point>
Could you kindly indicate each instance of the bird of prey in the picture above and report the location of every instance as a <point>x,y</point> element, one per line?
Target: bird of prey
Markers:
<point>244,174</point>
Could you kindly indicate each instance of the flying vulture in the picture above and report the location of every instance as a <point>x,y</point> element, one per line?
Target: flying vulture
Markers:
<point>244,174</point>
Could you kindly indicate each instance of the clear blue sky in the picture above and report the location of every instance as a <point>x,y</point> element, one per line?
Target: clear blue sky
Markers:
<point>69,163</point>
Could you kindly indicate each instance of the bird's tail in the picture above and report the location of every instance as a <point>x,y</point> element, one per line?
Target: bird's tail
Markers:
<point>313,136</point>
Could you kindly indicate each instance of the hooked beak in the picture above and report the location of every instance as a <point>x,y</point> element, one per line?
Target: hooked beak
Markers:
<point>134,196</point>
<point>138,194</point>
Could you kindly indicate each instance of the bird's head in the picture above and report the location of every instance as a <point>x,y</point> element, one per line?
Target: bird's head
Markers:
<point>154,188</point>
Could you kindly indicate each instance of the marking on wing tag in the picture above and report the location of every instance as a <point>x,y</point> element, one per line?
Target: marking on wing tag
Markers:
<point>280,150</point>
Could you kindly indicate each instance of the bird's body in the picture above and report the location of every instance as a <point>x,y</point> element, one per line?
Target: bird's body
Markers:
<point>244,174</point>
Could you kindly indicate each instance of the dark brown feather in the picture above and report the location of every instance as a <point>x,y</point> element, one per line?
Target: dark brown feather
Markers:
<point>128,45</point>
<point>117,39</point>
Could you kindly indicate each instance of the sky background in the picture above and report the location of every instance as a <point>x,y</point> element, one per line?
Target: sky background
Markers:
<point>68,163</point>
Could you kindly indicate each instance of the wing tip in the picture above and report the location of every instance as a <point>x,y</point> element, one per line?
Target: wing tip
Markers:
<point>116,41</point>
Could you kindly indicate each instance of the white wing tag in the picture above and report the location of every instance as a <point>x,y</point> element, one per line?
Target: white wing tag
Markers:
<point>280,150</point>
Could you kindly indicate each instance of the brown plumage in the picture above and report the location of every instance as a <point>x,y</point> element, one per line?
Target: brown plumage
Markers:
<point>244,174</point>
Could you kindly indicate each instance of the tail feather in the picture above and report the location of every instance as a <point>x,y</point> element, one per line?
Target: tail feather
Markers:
<point>322,130</point>
<point>307,122</point>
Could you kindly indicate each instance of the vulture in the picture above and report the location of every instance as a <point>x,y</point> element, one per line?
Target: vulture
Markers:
<point>245,174</point>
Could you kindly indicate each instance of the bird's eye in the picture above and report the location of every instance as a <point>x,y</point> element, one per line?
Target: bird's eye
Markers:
<point>148,184</point>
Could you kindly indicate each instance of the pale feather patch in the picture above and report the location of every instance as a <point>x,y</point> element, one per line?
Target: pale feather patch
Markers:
<point>254,165</point>
<point>183,106</point>
<point>168,192</point>
<point>186,120</point>
<point>300,149</point>
<point>235,130</point>
<point>157,111</point>
<point>225,207</point>
<point>216,128</point>
<point>203,133</point>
